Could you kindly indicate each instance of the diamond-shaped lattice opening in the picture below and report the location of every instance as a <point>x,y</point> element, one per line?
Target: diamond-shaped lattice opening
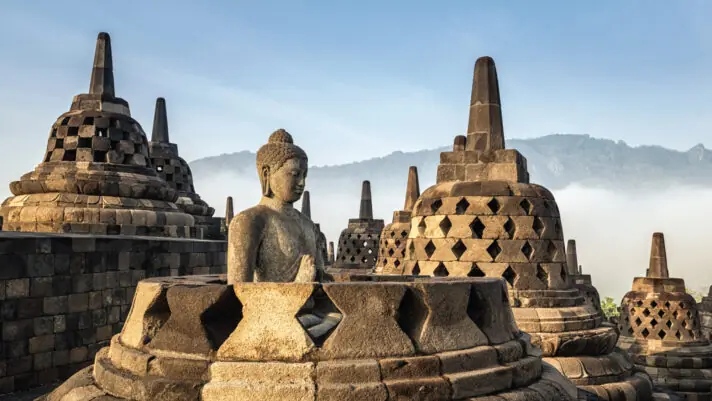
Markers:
<point>396,263</point>
<point>459,249</point>
<point>684,324</point>
<point>661,313</point>
<point>509,275</point>
<point>475,272</point>
<point>630,331</point>
<point>653,322</point>
<point>668,324</point>
<point>645,333</point>
<point>667,304</point>
<point>397,243</point>
<point>510,228</point>
<point>552,250</point>
<point>445,225</point>
<point>393,234</point>
<point>674,314</point>
<point>638,322</point>
<point>542,275</point>
<point>683,305</point>
<point>358,251</point>
<point>678,335</point>
<point>527,250</point>
<point>436,205</point>
<point>661,334</point>
<point>461,206</point>
<point>646,312</point>
<point>364,260</point>
<point>352,259</point>
<point>526,206</point>
<point>639,303</point>
<point>653,304</point>
<point>421,226</point>
<point>689,314</point>
<point>494,250</point>
<point>477,228</point>
<point>493,205</point>
<point>441,271</point>
<point>538,226</point>
<point>416,269</point>
<point>411,248</point>
<point>155,317</point>
<point>391,252</point>
<point>404,234</point>
<point>412,311</point>
<point>319,317</point>
<point>221,318</point>
<point>430,249</point>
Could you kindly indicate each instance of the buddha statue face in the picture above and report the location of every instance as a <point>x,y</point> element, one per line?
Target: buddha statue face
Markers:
<point>287,182</point>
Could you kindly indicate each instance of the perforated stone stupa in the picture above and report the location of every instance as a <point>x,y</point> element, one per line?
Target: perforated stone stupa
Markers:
<point>321,238</point>
<point>358,242</point>
<point>391,250</point>
<point>581,281</point>
<point>660,328</point>
<point>96,177</point>
<point>706,315</point>
<point>176,172</point>
<point>484,218</point>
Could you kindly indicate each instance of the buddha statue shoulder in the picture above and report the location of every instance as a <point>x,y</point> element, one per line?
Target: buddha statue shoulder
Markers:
<point>273,241</point>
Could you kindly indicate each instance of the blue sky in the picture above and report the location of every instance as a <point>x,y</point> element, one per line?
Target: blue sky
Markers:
<point>354,80</point>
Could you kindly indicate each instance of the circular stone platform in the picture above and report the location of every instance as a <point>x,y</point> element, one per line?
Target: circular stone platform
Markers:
<point>195,337</point>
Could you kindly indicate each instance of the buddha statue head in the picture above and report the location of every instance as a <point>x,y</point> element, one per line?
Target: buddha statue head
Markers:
<point>282,168</point>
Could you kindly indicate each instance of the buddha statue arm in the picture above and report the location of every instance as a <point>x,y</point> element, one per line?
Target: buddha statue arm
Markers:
<point>244,242</point>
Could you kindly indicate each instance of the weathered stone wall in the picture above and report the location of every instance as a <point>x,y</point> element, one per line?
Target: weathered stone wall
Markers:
<point>63,296</point>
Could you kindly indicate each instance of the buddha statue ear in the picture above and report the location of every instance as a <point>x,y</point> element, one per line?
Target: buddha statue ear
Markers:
<point>264,180</point>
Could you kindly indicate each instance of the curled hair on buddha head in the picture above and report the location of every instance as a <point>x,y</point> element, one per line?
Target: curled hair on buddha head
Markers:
<point>279,148</point>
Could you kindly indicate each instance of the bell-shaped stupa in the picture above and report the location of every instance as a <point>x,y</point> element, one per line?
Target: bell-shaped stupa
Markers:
<point>320,237</point>
<point>176,172</point>
<point>660,328</point>
<point>578,279</point>
<point>96,176</point>
<point>484,218</point>
<point>358,242</point>
<point>394,236</point>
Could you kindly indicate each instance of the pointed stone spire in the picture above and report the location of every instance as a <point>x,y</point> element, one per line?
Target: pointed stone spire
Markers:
<point>331,252</point>
<point>658,258</point>
<point>459,143</point>
<point>102,73</point>
<point>412,189</point>
<point>484,130</point>
<point>572,258</point>
<point>160,122</point>
<point>366,210</point>
<point>229,211</point>
<point>306,204</point>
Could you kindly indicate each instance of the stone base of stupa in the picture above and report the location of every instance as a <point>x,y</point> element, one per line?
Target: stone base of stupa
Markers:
<point>681,368</point>
<point>196,338</point>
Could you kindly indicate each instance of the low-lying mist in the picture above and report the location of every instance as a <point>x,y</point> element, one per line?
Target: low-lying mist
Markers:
<point>612,229</point>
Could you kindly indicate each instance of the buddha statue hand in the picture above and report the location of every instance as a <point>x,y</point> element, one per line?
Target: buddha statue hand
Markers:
<point>307,270</point>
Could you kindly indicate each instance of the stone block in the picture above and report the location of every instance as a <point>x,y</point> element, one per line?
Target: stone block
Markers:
<point>43,325</point>
<point>408,368</point>
<point>348,371</point>
<point>352,392</point>
<point>29,307</point>
<point>17,288</point>
<point>477,383</point>
<point>40,265</point>
<point>78,302</point>
<point>41,287</point>
<point>41,343</point>
<point>430,389</point>
<point>470,359</point>
<point>55,305</point>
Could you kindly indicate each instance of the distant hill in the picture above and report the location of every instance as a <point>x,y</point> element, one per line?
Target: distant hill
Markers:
<point>554,161</point>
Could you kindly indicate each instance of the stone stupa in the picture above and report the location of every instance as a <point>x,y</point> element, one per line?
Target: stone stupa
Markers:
<point>484,218</point>
<point>394,236</point>
<point>660,328</point>
<point>321,238</point>
<point>579,280</point>
<point>96,176</point>
<point>199,338</point>
<point>706,314</point>
<point>358,242</point>
<point>176,172</point>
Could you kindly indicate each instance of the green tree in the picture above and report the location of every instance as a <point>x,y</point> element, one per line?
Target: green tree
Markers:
<point>609,307</point>
<point>695,294</point>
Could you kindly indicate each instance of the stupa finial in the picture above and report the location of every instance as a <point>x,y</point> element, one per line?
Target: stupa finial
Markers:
<point>102,73</point>
<point>160,122</point>
<point>412,190</point>
<point>306,204</point>
<point>331,252</point>
<point>572,258</point>
<point>485,130</point>
<point>366,210</point>
<point>658,258</point>
<point>229,211</point>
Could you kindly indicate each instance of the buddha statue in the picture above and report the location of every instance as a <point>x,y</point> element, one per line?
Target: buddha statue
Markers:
<point>273,241</point>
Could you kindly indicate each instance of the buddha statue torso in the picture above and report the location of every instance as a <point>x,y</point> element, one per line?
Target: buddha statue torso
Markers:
<point>282,236</point>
